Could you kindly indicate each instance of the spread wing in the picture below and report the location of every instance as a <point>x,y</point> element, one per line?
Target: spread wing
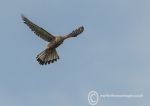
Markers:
<point>38,30</point>
<point>76,32</point>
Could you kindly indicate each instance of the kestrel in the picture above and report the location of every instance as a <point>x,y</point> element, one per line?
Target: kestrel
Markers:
<point>49,55</point>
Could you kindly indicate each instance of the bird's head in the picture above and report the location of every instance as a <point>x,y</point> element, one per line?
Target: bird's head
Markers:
<point>59,39</point>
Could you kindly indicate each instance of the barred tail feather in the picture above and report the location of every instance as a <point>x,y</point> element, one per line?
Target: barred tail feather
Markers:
<point>47,56</point>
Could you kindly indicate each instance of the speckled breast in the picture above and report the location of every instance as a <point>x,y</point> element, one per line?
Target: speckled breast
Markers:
<point>55,43</point>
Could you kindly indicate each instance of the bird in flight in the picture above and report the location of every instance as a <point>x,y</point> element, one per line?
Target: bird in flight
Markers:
<point>49,55</point>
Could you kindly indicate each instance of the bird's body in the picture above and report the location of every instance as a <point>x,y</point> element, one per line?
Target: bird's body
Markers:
<point>49,55</point>
<point>56,42</point>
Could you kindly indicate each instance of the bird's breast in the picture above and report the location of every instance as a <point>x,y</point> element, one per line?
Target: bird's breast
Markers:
<point>54,44</point>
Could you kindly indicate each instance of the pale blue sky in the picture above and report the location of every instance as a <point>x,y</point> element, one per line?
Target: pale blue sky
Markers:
<point>111,56</point>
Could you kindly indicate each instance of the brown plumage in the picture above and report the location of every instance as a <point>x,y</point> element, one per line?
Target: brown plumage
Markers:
<point>49,55</point>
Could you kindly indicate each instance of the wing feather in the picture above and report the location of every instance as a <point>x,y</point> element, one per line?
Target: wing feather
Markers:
<point>38,30</point>
<point>76,32</point>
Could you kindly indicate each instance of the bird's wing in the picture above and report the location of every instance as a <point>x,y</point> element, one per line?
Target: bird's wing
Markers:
<point>38,30</point>
<point>76,32</point>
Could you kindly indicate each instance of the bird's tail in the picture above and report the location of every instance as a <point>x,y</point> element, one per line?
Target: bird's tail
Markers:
<point>47,56</point>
